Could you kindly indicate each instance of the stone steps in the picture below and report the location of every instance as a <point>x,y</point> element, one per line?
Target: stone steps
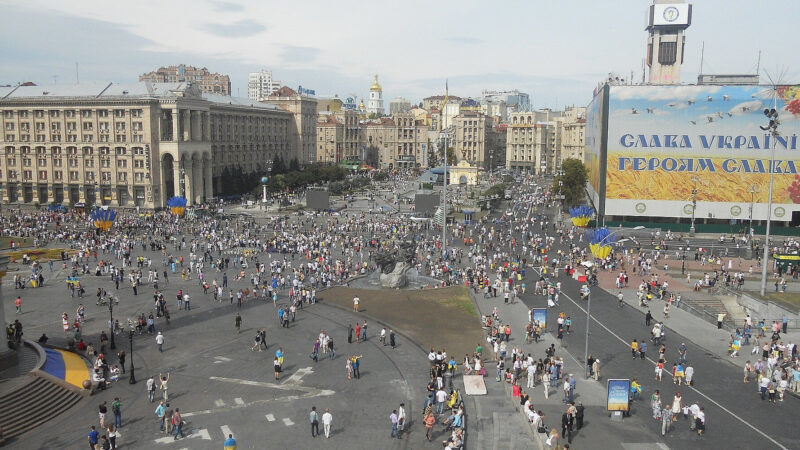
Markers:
<point>33,404</point>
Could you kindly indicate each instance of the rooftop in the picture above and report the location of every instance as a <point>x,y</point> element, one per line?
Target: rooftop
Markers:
<point>121,91</point>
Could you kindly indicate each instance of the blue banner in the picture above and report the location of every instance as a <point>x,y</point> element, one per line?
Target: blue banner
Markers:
<point>540,315</point>
<point>618,391</point>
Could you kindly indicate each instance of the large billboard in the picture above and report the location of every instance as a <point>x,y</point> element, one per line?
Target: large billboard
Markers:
<point>318,200</point>
<point>594,153</point>
<point>665,141</point>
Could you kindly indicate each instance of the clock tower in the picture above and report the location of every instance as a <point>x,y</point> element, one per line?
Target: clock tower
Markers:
<point>667,21</point>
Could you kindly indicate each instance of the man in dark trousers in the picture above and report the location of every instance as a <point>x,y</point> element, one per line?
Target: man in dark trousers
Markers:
<point>350,334</point>
<point>648,318</point>
<point>565,428</point>
<point>579,415</point>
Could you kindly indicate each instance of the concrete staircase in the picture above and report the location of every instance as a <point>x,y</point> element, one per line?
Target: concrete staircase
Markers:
<point>33,403</point>
<point>707,308</point>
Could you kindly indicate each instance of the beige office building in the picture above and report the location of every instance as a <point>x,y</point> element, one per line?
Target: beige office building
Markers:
<point>303,136</point>
<point>528,143</point>
<point>131,145</point>
<point>470,138</point>
<point>338,138</point>
<point>212,83</point>
<point>397,142</point>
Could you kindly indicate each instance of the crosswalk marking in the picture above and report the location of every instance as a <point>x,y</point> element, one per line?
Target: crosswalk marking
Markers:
<point>288,422</point>
<point>238,401</point>
<point>201,434</point>
<point>270,418</point>
<point>221,359</point>
<point>225,431</point>
<point>219,403</point>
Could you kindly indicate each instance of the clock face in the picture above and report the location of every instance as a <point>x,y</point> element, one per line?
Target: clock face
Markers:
<point>671,14</point>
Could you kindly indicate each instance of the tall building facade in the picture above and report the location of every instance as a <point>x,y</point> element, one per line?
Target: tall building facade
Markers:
<point>261,85</point>
<point>471,130</point>
<point>514,100</point>
<point>397,142</point>
<point>212,83</point>
<point>571,127</point>
<point>131,145</point>
<point>338,138</point>
<point>528,144</point>
<point>399,105</point>
<point>667,21</point>
<point>375,102</point>
<point>304,113</point>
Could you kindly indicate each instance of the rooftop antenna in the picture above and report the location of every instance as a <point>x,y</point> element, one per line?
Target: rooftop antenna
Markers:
<point>643,70</point>
<point>758,64</point>
<point>702,55</point>
<point>77,74</point>
<point>55,79</point>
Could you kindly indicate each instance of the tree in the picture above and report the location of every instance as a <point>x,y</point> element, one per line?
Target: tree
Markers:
<point>571,183</point>
<point>278,166</point>
<point>294,165</point>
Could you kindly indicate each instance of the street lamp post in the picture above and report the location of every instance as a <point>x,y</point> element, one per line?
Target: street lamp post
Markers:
<point>182,181</point>
<point>111,320</point>
<point>586,343</point>
<point>683,258</point>
<point>694,208</point>
<point>753,190</point>
<point>774,133</point>
<point>132,379</point>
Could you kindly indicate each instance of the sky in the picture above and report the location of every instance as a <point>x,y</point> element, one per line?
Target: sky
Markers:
<point>557,51</point>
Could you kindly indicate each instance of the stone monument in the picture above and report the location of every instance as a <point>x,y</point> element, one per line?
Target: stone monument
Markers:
<point>395,265</point>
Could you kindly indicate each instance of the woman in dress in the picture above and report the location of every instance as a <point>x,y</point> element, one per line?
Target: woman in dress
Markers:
<point>655,404</point>
<point>676,406</point>
<point>65,322</point>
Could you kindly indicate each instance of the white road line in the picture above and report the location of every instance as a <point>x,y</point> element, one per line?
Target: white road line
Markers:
<point>625,343</point>
<point>298,375</point>
<point>219,403</point>
<point>225,431</point>
<point>221,359</point>
<point>270,418</point>
<point>288,422</point>
<point>238,401</point>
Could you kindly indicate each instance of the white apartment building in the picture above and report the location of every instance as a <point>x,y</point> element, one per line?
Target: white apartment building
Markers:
<point>261,85</point>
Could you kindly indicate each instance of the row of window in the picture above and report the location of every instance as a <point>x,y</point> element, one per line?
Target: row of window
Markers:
<point>85,113</point>
<point>10,150</point>
<point>122,177</point>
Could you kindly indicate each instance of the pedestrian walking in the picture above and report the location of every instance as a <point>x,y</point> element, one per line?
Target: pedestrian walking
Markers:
<point>401,419</point>
<point>277,365</point>
<point>327,420</point>
<point>18,304</point>
<point>164,380</point>
<point>116,409</point>
<point>177,424</point>
<point>230,443</point>
<point>393,422</point>
<point>429,421</point>
<point>238,323</point>
<point>313,417</point>
<point>121,359</point>
<point>151,388</point>
<point>160,342</point>
<point>356,300</point>
<point>93,437</point>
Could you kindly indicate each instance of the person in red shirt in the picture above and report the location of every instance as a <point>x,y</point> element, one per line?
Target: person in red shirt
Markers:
<point>18,304</point>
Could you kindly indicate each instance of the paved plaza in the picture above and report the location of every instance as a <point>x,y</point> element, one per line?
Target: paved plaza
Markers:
<point>224,387</point>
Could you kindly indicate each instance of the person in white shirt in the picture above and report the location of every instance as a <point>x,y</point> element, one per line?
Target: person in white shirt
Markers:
<point>327,419</point>
<point>160,341</point>
<point>441,398</point>
<point>532,375</point>
<point>401,419</point>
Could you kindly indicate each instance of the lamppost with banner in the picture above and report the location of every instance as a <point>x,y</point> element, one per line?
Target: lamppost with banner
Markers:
<point>131,332</point>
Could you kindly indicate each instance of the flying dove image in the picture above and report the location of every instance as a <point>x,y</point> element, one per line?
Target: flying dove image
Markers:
<point>745,107</point>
